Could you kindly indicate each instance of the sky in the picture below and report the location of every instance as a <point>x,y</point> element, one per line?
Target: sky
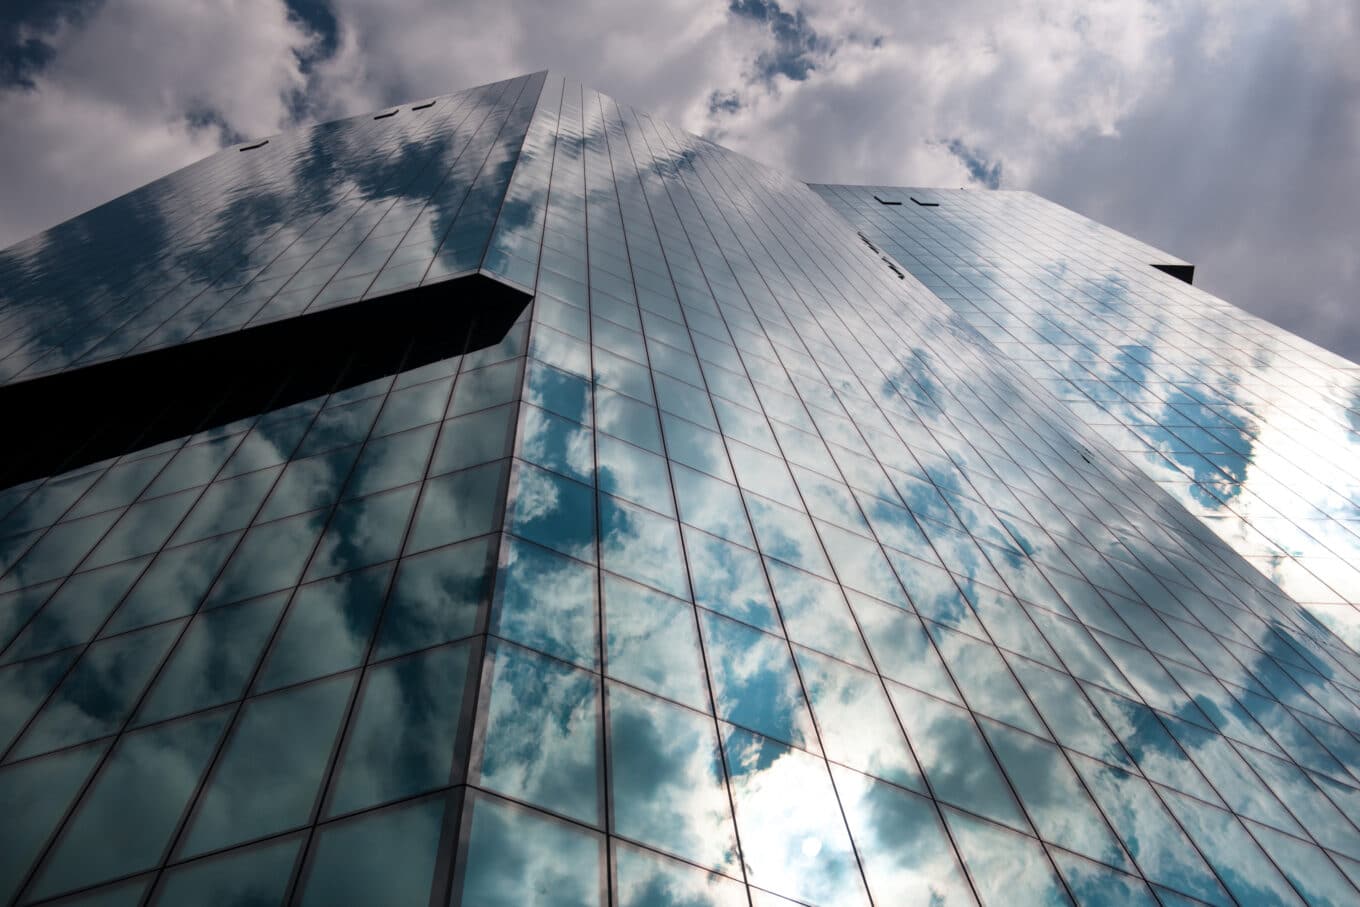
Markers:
<point>1226,132</point>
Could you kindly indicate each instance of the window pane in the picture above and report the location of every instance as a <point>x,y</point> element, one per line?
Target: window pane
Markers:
<point>144,528</point>
<point>173,585</point>
<point>391,461</point>
<point>625,417</point>
<point>414,406</point>
<point>363,531</point>
<point>436,597</point>
<point>1152,747</point>
<point>268,444</point>
<point>75,611</point>
<point>36,795</point>
<point>1065,709</point>
<point>667,780</point>
<point>1306,866</point>
<point>270,557</point>
<point>955,757</point>
<point>901,648</point>
<point>547,602</point>
<point>1003,863</point>
<point>643,546</point>
<point>815,613</point>
<point>1096,885</point>
<point>653,642</point>
<point>1053,796</point>
<point>402,737</point>
<point>986,682</point>
<point>96,697</point>
<point>24,687</point>
<point>119,894</point>
<point>17,607</point>
<point>472,439</point>
<point>58,552</point>
<point>792,834</point>
<point>250,875</point>
<point>857,724</point>
<point>151,775</point>
<point>457,506</point>
<point>214,659</point>
<point>906,853</point>
<point>1231,775</point>
<point>518,856</point>
<point>555,443</point>
<point>690,445</point>
<point>385,857</point>
<point>713,506</point>
<point>646,879</point>
<point>554,512</point>
<point>542,733</point>
<point>1163,852</point>
<point>267,777</point>
<point>485,387</point>
<point>558,392</point>
<point>310,483</point>
<point>326,629</point>
<point>634,474</point>
<point>226,506</point>
<point>860,564</point>
<point>754,681</point>
<point>119,486</point>
<point>787,534</point>
<point>338,426</point>
<point>1236,858</point>
<point>730,580</point>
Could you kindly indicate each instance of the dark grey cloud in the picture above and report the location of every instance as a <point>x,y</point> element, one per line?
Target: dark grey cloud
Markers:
<point>724,102</point>
<point>981,169</point>
<point>26,28</point>
<point>318,18</point>
<point>797,47</point>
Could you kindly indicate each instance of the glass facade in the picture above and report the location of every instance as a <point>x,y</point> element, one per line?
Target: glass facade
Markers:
<point>740,570</point>
<point>1252,429</point>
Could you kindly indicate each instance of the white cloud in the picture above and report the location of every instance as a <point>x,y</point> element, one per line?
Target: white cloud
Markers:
<point>125,97</point>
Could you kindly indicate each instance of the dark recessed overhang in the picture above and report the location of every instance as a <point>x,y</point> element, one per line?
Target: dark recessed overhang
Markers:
<point>72,418</point>
<point>1180,272</point>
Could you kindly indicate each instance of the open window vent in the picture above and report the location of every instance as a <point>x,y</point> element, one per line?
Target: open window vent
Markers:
<point>1180,272</point>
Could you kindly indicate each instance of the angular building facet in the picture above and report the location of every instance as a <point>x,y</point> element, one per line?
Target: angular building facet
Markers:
<point>510,498</point>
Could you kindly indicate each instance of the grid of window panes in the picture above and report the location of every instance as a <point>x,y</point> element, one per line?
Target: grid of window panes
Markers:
<point>800,596</point>
<point>314,219</point>
<point>800,589</point>
<point>1253,429</point>
<point>225,651</point>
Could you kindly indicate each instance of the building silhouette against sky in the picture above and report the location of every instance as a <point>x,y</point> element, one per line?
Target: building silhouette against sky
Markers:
<point>509,498</point>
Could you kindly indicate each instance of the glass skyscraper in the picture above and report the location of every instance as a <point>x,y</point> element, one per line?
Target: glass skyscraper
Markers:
<point>509,498</point>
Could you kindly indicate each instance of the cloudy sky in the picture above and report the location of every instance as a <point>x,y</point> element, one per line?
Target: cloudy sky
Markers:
<point>1224,131</point>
